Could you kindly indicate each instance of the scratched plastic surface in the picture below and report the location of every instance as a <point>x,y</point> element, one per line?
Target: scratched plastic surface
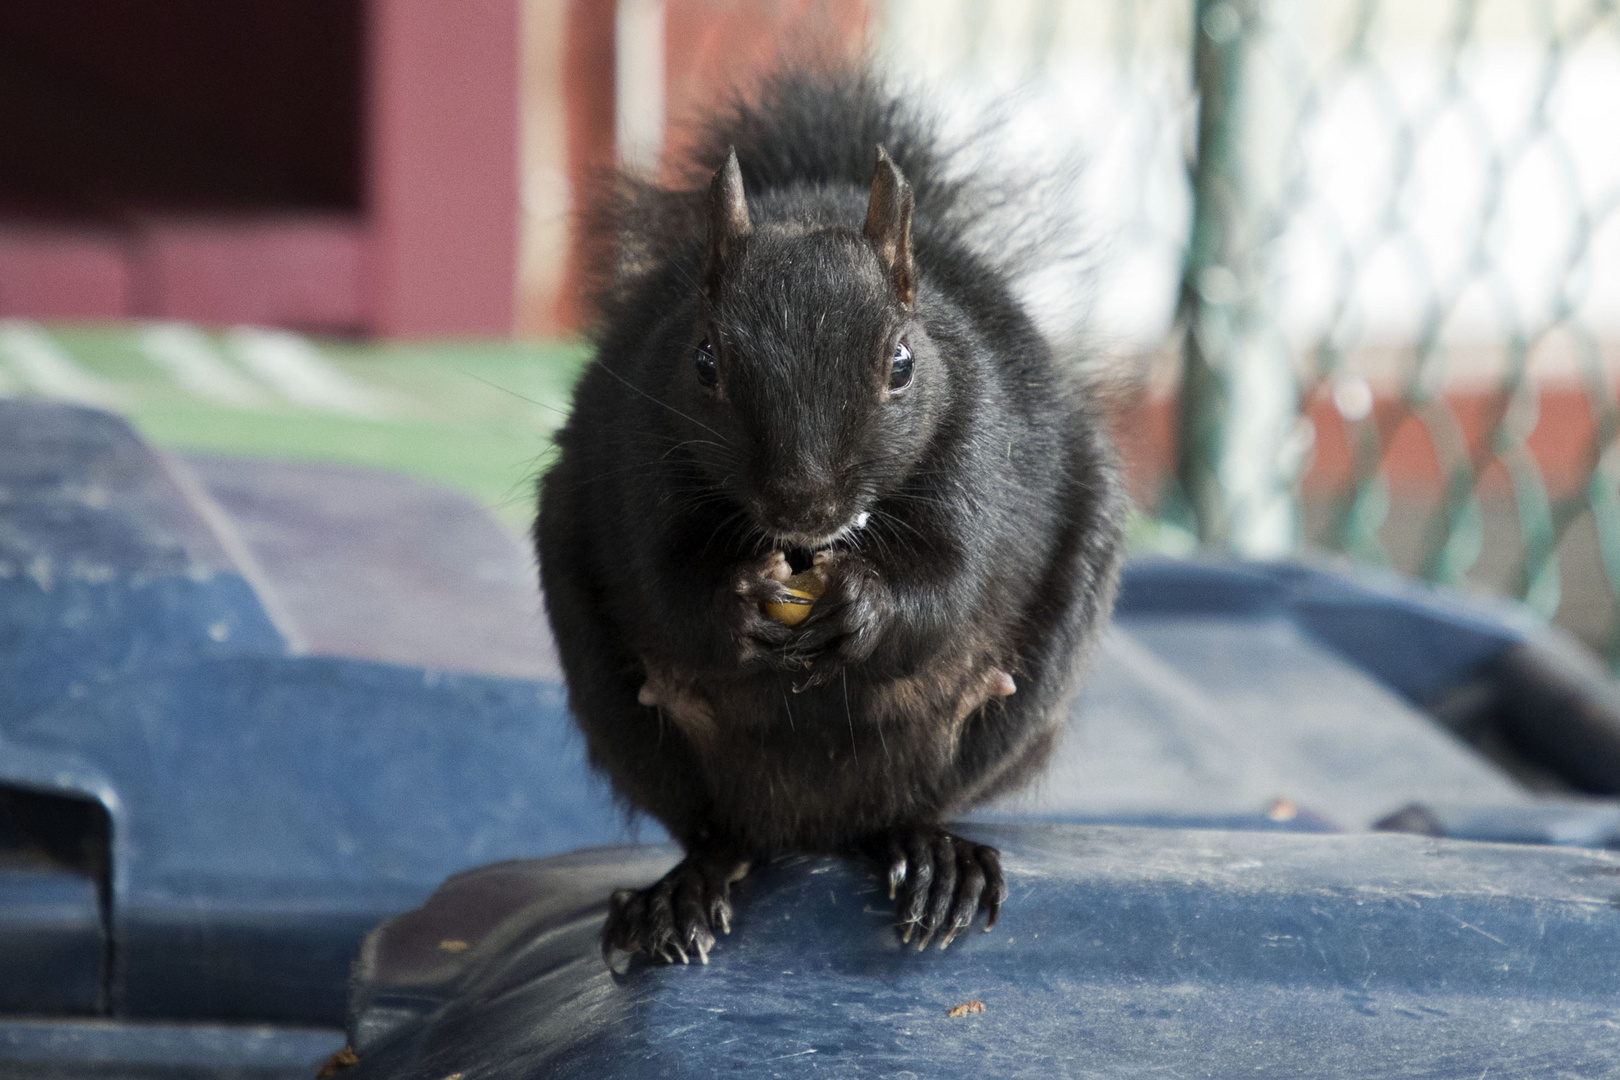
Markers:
<point>1122,952</point>
<point>271,797</point>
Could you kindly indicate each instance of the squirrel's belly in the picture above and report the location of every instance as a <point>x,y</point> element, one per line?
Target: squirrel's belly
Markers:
<point>825,768</point>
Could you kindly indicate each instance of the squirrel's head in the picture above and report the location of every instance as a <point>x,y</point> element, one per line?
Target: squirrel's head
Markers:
<point>809,357</point>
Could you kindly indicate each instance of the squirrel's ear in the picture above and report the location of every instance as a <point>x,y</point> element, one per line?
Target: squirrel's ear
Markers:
<point>888,224</point>
<point>728,221</point>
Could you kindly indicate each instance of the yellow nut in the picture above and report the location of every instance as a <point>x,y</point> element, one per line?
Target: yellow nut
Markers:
<point>807,586</point>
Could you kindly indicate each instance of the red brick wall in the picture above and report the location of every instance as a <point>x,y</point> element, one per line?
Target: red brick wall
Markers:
<point>442,172</point>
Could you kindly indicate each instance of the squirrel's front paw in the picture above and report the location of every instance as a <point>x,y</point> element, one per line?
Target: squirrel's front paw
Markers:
<point>849,618</point>
<point>751,586</point>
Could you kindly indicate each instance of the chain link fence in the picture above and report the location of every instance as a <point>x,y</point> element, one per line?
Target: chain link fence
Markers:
<point>1370,248</point>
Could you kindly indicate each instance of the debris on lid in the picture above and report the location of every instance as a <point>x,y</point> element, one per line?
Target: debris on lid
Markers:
<point>1282,808</point>
<point>343,1059</point>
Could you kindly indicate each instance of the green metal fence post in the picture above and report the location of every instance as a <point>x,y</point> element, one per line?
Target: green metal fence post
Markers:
<point>1240,444</point>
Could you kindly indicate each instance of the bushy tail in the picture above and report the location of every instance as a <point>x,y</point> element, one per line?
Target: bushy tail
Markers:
<point>822,125</point>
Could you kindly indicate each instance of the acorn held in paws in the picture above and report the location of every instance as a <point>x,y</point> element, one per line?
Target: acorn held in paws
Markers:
<point>806,588</point>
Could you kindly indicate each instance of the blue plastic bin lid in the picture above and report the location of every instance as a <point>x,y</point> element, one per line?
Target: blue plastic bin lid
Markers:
<point>1121,952</point>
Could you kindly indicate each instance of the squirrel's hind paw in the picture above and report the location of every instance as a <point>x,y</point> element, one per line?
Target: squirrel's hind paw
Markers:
<point>939,882</point>
<point>674,918</point>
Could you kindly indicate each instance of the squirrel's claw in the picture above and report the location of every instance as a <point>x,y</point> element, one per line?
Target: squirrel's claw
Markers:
<point>940,882</point>
<point>676,915</point>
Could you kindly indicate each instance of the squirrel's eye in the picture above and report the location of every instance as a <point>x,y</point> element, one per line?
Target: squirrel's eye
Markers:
<point>703,360</point>
<point>900,368</point>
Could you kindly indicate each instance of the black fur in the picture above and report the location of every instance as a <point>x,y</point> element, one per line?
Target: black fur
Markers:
<point>993,498</point>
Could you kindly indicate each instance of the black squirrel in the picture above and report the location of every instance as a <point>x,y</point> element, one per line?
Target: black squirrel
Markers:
<point>818,359</point>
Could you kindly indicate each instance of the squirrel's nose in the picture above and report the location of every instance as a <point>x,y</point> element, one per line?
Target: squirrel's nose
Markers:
<point>798,506</point>
<point>811,518</point>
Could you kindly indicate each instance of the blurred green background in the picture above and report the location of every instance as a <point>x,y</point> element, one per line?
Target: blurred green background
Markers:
<point>476,416</point>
